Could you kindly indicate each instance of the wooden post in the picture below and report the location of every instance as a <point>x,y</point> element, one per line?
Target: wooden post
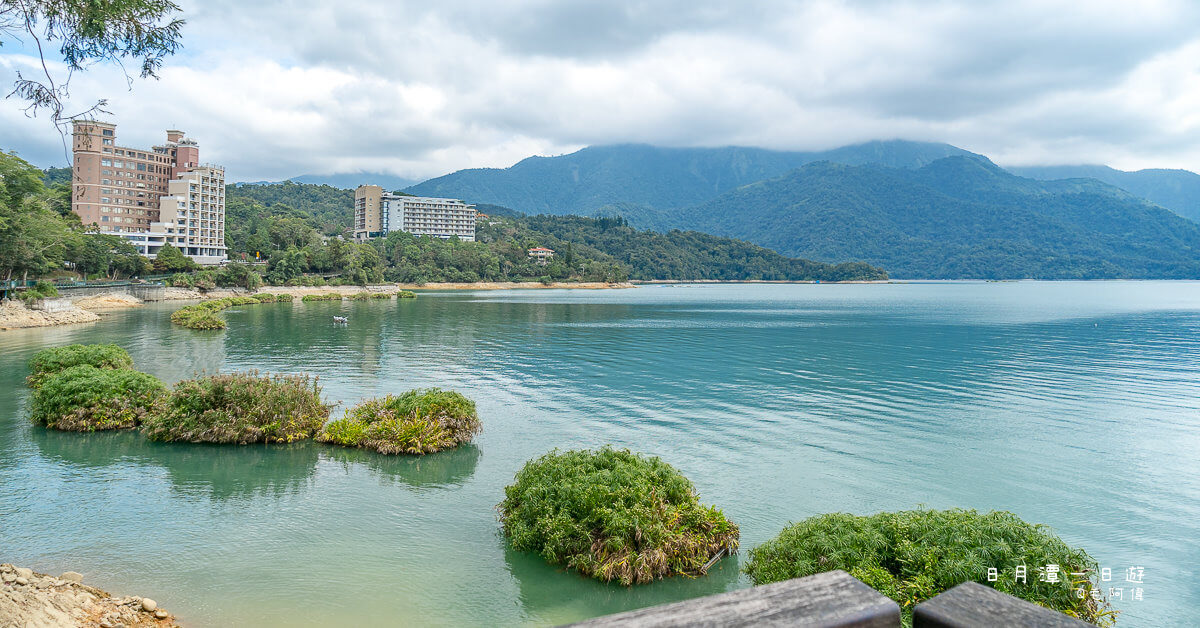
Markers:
<point>833,599</point>
<point>972,604</point>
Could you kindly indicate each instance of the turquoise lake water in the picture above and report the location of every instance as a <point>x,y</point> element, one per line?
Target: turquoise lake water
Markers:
<point>1076,405</point>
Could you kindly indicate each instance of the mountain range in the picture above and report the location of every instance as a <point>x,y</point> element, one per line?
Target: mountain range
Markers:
<point>1177,190</point>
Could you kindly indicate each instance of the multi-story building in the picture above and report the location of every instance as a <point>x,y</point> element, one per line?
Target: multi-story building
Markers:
<point>377,212</point>
<point>150,197</point>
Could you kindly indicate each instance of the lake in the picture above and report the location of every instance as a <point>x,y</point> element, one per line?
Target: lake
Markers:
<point>1073,404</point>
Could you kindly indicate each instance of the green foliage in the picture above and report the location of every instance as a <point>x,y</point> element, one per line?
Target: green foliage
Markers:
<point>183,280</point>
<point>37,229</point>
<point>367,296</point>
<point>324,296</point>
<point>47,362</point>
<point>235,275</point>
<point>911,556</point>
<point>40,290</point>
<point>171,260</point>
<point>240,408</point>
<point>106,255</point>
<point>417,422</point>
<point>613,515</point>
<point>84,398</point>
<point>203,315</point>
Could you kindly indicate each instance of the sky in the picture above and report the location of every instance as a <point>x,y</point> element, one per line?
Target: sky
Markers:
<point>273,90</point>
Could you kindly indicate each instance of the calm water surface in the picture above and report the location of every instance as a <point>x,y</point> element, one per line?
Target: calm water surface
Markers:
<point>1072,404</point>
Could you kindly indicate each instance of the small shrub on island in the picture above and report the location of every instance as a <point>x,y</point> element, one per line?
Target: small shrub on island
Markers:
<point>417,422</point>
<point>406,294</point>
<point>47,362</point>
<point>911,556</point>
<point>240,408</point>
<point>327,296</point>
<point>203,315</point>
<point>86,399</point>
<point>613,515</point>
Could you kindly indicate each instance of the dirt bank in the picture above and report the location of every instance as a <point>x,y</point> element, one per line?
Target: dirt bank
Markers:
<point>108,301</point>
<point>33,600</point>
<point>14,315</point>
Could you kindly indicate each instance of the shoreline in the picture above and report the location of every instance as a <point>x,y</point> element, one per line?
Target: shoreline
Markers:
<point>29,598</point>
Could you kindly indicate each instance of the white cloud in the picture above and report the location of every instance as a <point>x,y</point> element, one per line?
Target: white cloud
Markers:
<point>419,89</point>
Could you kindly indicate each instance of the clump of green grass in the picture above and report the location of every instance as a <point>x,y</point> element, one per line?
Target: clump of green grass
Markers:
<point>367,296</point>
<point>203,315</point>
<point>47,362</point>
<point>613,515</point>
<point>328,296</point>
<point>240,408</point>
<point>406,294</point>
<point>417,422</point>
<point>84,398</point>
<point>911,556</point>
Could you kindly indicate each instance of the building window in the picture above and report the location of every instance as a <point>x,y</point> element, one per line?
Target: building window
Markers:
<point>105,162</point>
<point>107,132</point>
<point>107,142</point>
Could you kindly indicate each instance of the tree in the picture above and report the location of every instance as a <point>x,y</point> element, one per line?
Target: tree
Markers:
<point>170,260</point>
<point>34,236</point>
<point>86,32</point>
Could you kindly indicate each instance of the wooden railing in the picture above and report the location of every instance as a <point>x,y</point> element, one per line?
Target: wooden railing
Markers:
<point>835,599</point>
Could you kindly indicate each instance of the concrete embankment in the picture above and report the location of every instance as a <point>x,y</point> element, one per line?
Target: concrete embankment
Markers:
<point>32,600</point>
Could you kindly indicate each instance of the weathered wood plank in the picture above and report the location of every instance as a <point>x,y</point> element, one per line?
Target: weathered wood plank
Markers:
<point>832,599</point>
<point>972,604</point>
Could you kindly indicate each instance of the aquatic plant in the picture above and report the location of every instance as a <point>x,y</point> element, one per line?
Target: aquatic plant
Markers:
<point>913,555</point>
<point>367,296</point>
<point>326,296</point>
<point>416,422</point>
<point>406,294</point>
<point>85,399</point>
<point>613,515</point>
<point>239,408</point>
<point>203,315</point>
<point>47,362</point>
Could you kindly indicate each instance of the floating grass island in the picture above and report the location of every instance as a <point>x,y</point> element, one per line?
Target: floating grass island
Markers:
<point>47,362</point>
<point>614,515</point>
<point>417,422</point>
<point>86,399</point>
<point>240,408</point>
<point>911,556</point>
<point>203,315</point>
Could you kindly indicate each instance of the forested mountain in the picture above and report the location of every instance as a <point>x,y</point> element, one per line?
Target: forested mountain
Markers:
<point>958,217</point>
<point>1177,190</point>
<point>655,177</point>
<point>328,209</point>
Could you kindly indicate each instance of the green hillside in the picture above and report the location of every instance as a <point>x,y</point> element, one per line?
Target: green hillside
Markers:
<point>956,218</point>
<point>1177,190</point>
<point>651,176</point>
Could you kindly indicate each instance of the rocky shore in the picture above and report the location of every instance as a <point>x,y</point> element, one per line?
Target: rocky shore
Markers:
<point>33,600</point>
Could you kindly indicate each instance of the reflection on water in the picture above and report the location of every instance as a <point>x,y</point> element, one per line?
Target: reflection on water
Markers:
<point>1076,405</point>
<point>447,468</point>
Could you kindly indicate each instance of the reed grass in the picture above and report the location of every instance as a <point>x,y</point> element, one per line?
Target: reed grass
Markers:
<point>203,315</point>
<point>416,422</point>
<point>613,515</point>
<point>84,398</point>
<point>47,362</point>
<point>240,408</point>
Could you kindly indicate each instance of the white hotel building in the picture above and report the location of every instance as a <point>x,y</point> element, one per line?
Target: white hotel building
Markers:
<point>376,213</point>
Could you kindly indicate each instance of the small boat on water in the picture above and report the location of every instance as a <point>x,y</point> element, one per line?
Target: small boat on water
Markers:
<point>340,319</point>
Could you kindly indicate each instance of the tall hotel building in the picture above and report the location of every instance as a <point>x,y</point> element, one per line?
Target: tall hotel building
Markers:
<point>150,197</point>
<point>377,212</point>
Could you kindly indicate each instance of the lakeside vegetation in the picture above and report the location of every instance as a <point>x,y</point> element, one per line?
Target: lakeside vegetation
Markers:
<point>240,408</point>
<point>203,315</point>
<point>84,398</point>
<point>48,362</point>
<point>911,556</point>
<point>613,515</point>
<point>416,422</point>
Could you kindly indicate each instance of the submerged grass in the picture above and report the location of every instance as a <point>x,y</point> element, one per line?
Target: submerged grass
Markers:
<point>416,422</point>
<point>613,515</point>
<point>47,362</point>
<point>240,408</point>
<point>86,399</point>
<point>911,556</point>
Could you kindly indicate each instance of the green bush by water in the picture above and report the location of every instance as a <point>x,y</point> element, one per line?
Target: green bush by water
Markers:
<point>85,399</point>
<point>326,296</point>
<point>47,362</point>
<point>203,315</point>
<point>240,408</point>
<point>417,422</point>
<point>613,515</point>
<point>911,556</point>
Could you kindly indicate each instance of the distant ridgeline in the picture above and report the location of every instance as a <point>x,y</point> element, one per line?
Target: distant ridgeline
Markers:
<point>919,210</point>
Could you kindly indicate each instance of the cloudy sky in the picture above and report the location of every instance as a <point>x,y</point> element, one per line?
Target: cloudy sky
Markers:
<point>418,89</point>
